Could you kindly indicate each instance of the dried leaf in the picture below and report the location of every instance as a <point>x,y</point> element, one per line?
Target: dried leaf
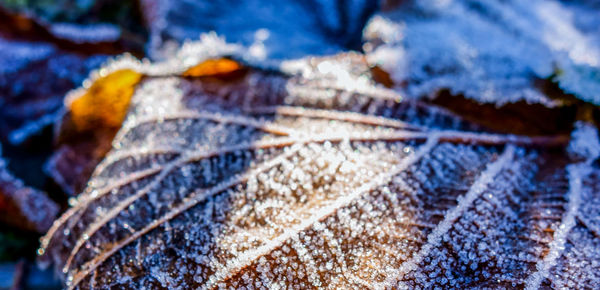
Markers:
<point>95,114</point>
<point>319,178</point>
<point>105,102</point>
<point>214,68</point>
<point>85,130</point>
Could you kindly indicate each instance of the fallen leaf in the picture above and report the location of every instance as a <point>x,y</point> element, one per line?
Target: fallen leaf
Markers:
<point>95,114</point>
<point>318,177</point>
<point>40,63</point>
<point>284,30</point>
<point>86,39</point>
<point>105,102</point>
<point>222,67</point>
<point>34,79</point>
<point>86,128</point>
<point>493,53</point>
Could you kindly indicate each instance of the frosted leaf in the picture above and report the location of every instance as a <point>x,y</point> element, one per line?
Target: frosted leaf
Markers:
<point>268,29</point>
<point>313,176</point>
<point>22,206</point>
<point>492,52</point>
<point>33,94</point>
<point>32,90</point>
<point>33,82</point>
<point>40,63</point>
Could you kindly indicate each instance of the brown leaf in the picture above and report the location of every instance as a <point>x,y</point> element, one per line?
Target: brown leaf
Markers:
<point>321,178</point>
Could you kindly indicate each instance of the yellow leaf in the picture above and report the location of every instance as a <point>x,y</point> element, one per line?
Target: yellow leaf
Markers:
<point>106,102</point>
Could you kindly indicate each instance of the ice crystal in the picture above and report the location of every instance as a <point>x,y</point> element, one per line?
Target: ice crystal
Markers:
<point>313,176</point>
<point>586,144</point>
<point>493,52</point>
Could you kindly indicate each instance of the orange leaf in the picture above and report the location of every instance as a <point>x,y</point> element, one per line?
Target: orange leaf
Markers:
<point>105,103</point>
<point>214,68</point>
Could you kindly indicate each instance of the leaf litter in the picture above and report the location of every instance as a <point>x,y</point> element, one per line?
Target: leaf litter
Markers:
<point>244,165</point>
